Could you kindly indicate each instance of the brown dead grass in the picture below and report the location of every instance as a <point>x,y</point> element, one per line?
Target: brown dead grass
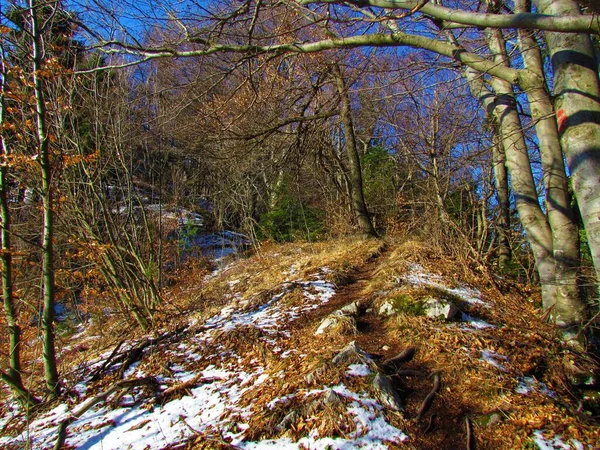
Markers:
<point>470,386</point>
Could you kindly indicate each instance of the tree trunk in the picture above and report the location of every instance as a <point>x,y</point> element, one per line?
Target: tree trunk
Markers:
<point>570,310</point>
<point>356,181</point>
<point>48,285</point>
<point>13,376</point>
<point>502,107</point>
<point>577,105</point>
<point>502,197</point>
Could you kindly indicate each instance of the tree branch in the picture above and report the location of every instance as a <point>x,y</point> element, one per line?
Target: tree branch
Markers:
<point>452,17</point>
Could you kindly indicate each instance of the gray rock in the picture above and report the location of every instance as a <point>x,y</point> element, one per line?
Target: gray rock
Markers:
<point>316,376</point>
<point>386,309</point>
<point>387,394</point>
<point>440,309</point>
<point>331,398</point>
<point>352,354</point>
<point>349,310</point>
<point>327,323</point>
<point>345,318</point>
<point>291,418</point>
<point>488,420</point>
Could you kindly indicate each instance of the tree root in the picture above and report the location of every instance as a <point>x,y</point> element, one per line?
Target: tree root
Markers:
<point>470,437</point>
<point>430,425</point>
<point>411,373</point>
<point>437,383</point>
<point>404,356</point>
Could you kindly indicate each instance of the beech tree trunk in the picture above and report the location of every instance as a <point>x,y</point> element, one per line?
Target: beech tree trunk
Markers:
<point>570,310</point>
<point>559,247</point>
<point>356,181</point>
<point>502,107</point>
<point>577,105</point>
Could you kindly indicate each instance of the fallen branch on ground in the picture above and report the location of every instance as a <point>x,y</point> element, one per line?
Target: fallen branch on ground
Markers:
<point>195,381</point>
<point>96,375</point>
<point>79,411</point>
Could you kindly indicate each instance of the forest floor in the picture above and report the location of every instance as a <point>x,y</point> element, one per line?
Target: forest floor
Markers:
<point>243,361</point>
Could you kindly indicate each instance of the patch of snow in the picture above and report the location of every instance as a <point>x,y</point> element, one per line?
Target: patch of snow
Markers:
<point>372,430</point>
<point>527,385</point>
<point>358,370</point>
<point>474,322</point>
<point>493,359</point>
<point>555,443</point>
<point>216,405</point>
<point>417,276</point>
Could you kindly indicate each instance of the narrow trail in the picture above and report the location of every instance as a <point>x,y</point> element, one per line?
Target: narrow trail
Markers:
<point>444,425</point>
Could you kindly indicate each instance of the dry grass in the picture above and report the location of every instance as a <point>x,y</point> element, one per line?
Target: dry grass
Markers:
<point>471,386</point>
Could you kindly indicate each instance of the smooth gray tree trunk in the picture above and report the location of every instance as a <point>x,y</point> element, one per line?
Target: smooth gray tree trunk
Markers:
<point>502,107</point>
<point>570,309</point>
<point>577,105</point>
<point>502,197</point>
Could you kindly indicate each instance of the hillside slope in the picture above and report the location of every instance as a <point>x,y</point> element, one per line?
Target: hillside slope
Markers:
<point>294,348</point>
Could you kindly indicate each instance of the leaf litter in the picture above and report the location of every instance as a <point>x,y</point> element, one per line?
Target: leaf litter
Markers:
<point>243,382</point>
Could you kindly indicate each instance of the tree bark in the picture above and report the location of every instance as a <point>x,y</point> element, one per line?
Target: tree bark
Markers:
<point>356,181</point>
<point>13,376</point>
<point>48,283</point>
<point>502,197</point>
<point>502,107</point>
<point>577,105</point>
<point>569,309</point>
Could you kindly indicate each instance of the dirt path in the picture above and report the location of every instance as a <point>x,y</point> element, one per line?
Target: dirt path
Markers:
<point>444,426</point>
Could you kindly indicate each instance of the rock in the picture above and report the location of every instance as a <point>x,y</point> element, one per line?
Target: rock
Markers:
<point>317,376</point>
<point>488,420</point>
<point>386,309</point>
<point>440,309</point>
<point>326,324</point>
<point>349,310</point>
<point>331,398</point>
<point>290,419</point>
<point>340,322</point>
<point>352,354</point>
<point>387,394</point>
<point>344,320</point>
<point>579,375</point>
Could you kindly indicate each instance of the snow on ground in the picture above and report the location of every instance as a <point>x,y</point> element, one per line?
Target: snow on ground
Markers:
<point>474,322</point>
<point>493,359</point>
<point>555,443</point>
<point>215,406</point>
<point>527,385</point>
<point>418,276</point>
